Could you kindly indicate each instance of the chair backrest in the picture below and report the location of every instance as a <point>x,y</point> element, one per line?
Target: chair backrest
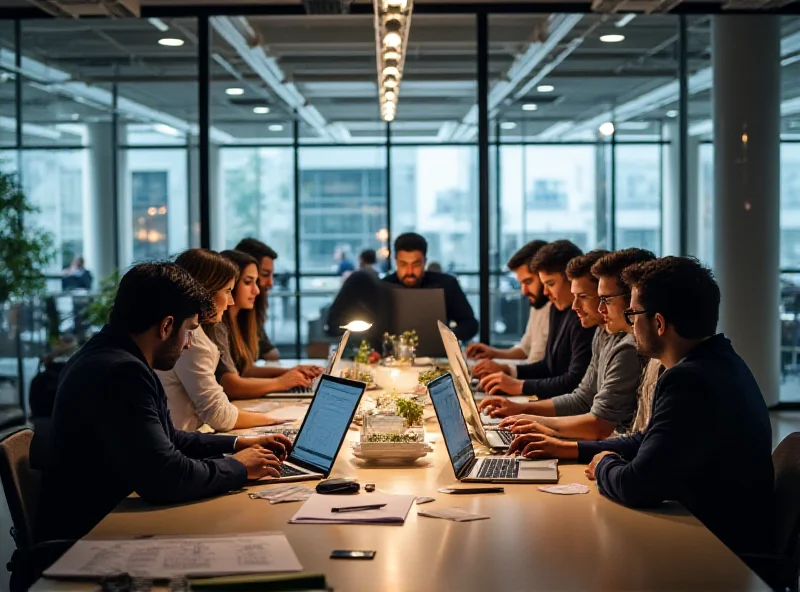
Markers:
<point>786,460</point>
<point>21,484</point>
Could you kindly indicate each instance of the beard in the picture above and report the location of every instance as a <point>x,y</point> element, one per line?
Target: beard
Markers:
<point>539,301</point>
<point>168,354</point>
<point>416,280</point>
<point>648,346</point>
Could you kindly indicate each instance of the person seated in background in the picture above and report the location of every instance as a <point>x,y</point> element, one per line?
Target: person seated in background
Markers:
<point>410,252</point>
<point>76,276</point>
<point>708,444</point>
<point>265,256</point>
<point>111,433</point>
<point>434,266</point>
<point>194,396</point>
<point>362,298</point>
<point>533,343</point>
<point>569,340</point>
<point>368,261</point>
<point>237,339</point>
<point>606,399</point>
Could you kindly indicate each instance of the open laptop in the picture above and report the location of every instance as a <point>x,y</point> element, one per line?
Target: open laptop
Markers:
<point>485,427</point>
<point>302,392</point>
<point>466,466</point>
<point>323,430</point>
<point>419,309</point>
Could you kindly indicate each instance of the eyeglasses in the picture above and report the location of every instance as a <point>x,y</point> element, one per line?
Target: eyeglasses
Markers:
<point>606,300</point>
<point>629,313</point>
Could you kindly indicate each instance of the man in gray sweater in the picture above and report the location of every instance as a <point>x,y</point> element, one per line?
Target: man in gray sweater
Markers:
<point>606,398</point>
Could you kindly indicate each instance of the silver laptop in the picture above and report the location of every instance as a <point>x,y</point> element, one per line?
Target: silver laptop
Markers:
<point>466,466</point>
<point>323,431</point>
<point>302,392</point>
<point>485,427</point>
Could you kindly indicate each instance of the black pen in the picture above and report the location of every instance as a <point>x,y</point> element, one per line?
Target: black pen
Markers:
<point>358,508</point>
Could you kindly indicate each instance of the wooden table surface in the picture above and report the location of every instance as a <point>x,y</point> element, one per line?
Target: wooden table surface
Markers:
<point>532,541</point>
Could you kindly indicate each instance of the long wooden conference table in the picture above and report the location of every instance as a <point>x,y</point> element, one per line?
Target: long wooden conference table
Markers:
<point>532,541</point>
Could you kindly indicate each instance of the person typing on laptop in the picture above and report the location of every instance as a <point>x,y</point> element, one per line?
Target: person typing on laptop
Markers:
<point>569,340</point>
<point>111,432</point>
<point>410,252</point>
<point>532,346</point>
<point>708,444</point>
<point>606,399</point>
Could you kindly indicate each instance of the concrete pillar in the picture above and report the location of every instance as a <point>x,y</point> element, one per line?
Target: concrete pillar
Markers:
<point>99,222</point>
<point>746,102</point>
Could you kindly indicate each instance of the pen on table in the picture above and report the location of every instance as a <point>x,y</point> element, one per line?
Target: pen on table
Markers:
<point>358,508</point>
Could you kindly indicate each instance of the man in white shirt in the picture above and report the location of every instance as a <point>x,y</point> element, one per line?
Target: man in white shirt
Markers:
<point>531,348</point>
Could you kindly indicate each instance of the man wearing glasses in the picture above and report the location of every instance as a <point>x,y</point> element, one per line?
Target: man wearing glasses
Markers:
<point>708,444</point>
<point>605,400</point>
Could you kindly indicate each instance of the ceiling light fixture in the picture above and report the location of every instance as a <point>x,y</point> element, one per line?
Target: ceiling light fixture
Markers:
<point>607,128</point>
<point>530,107</point>
<point>508,125</point>
<point>261,110</point>
<point>392,19</point>
<point>614,38</point>
<point>275,127</point>
<point>672,113</point>
<point>158,24</point>
<point>234,91</point>
<point>170,42</point>
<point>545,88</point>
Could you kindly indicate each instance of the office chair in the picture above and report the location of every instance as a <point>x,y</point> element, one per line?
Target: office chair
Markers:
<point>781,569</point>
<point>22,485</point>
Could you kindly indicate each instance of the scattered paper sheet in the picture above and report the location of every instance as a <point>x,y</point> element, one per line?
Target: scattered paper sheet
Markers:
<point>571,489</point>
<point>423,499</point>
<point>284,494</point>
<point>289,413</point>
<point>168,557</point>
<point>454,514</point>
<point>318,509</point>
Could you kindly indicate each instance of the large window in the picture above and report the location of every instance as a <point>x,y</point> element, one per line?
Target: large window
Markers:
<point>638,196</point>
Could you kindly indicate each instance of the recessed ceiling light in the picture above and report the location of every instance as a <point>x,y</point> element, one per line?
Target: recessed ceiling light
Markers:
<point>234,91</point>
<point>261,110</point>
<point>672,113</point>
<point>170,42</point>
<point>508,125</point>
<point>606,128</point>
<point>612,38</point>
<point>529,107</point>
<point>276,127</point>
<point>545,88</point>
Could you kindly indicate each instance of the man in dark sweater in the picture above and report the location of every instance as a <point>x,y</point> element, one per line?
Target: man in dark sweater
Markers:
<point>410,253</point>
<point>569,341</point>
<point>708,443</point>
<point>111,431</point>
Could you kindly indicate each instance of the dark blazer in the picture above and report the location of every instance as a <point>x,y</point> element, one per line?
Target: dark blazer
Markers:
<point>457,307</point>
<point>111,435</point>
<point>708,446</point>
<point>566,357</point>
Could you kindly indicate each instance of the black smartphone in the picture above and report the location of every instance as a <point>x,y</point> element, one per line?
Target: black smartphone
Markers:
<point>345,554</point>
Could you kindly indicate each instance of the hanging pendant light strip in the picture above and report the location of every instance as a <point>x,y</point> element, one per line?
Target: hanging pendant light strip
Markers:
<point>392,23</point>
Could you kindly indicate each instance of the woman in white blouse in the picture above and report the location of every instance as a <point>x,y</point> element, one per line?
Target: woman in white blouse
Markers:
<point>193,394</point>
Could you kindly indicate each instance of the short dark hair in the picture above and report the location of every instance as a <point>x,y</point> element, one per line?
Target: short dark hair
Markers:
<point>682,290</point>
<point>368,256</point>
<point>150,292</point>
<point>411,241</point>
<point>613,264</point>
<point>581,266</point>
<point>555,256</point>
<point>255,248</point>
<point>525,254</point>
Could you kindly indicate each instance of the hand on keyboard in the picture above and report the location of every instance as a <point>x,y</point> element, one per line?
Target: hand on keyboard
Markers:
<point>259,462</point>
<point>500,407</point>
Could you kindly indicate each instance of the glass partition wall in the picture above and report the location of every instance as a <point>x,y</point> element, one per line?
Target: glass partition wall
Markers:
<point>138,138</point>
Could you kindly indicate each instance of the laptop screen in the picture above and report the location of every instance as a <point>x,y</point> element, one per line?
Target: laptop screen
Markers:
<point>326,423</point>
<point>454,430</point>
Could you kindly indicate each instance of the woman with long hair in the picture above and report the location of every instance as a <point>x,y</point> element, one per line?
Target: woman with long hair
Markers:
<point>238,342</point>
<point>265,259</point>
<point>194,396</point>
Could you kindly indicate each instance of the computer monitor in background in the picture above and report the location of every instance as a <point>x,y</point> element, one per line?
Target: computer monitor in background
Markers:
<point>421,310</point>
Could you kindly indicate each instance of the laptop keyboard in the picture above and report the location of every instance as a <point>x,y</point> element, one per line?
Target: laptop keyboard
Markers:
<point>290,433</point>
<point>506,436</point>
<point>301,390</point>
<point>287,471</point>
<point>499,468</point>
